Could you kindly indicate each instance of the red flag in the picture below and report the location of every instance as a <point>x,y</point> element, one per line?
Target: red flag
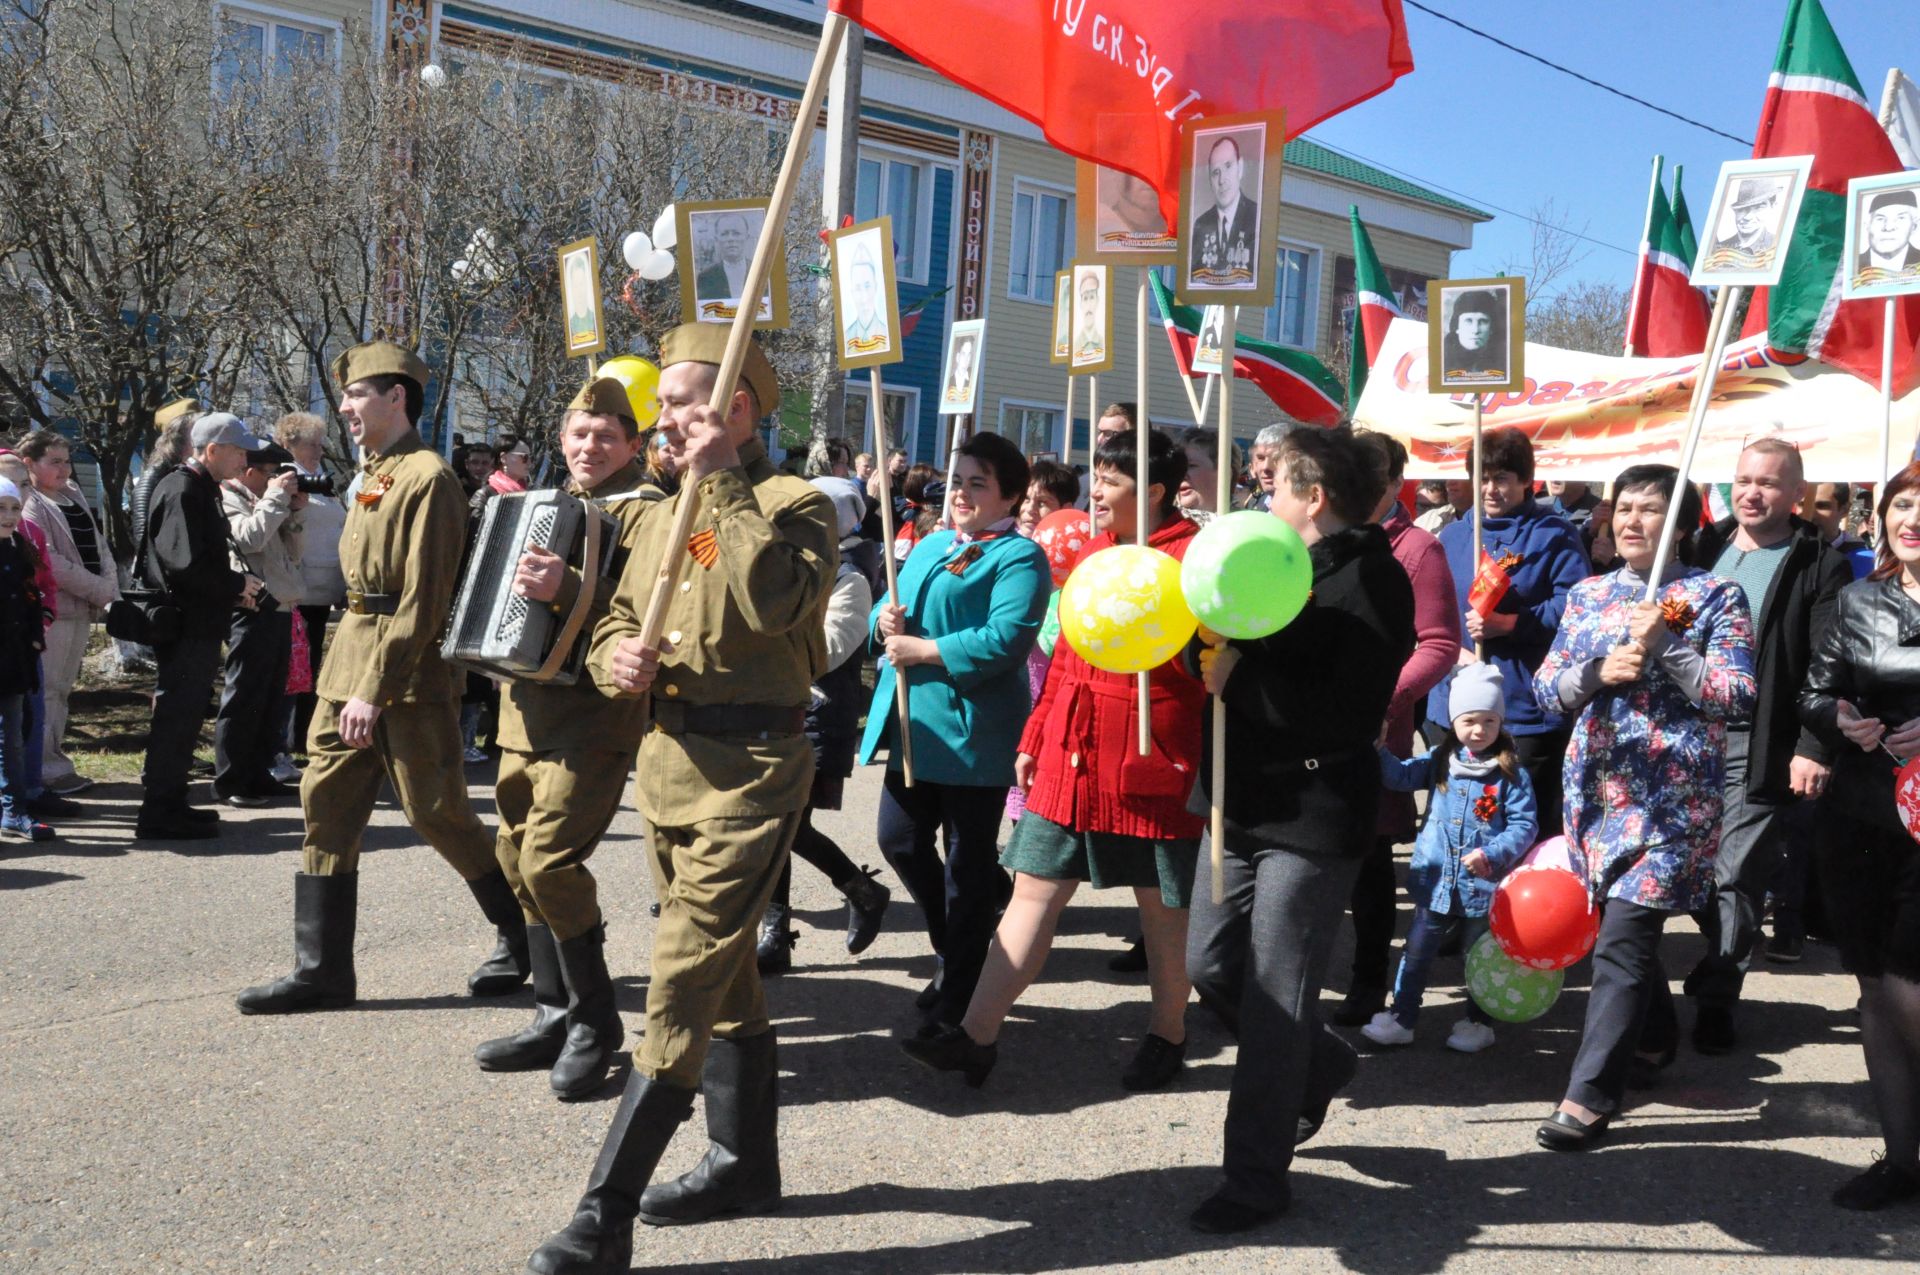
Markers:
<point>1491,582</point>
<point>1111,81</point>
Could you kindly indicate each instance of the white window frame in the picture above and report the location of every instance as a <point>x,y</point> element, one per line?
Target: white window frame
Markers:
<point>269,15</point>
<point>909,416</point>
<point>922,247</point>
<point>1270,330</point>
<point>1059,411</point>
<point>1037,186</point>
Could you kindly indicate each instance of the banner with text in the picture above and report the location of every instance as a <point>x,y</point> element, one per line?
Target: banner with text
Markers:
<point>1592,415</point>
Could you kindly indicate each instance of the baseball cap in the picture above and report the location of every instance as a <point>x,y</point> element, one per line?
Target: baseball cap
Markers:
<point>270,454</point>
<point>224,427</point>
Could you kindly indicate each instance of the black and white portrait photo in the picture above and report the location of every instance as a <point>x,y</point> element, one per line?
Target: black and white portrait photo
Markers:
<point>1475,333</point>
<point>1120,219</point>
<point>1883,235</point>
<point>716,247</point>
<point>580,297</point>
<point>1750,221</point>
<point>1230,207</point>
<point>1063,317</point>
<point>960,380</point>
<point>1207,348</point>
<point>865,303</point>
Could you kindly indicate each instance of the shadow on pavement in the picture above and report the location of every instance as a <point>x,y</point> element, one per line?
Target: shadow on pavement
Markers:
<point>30,878</point>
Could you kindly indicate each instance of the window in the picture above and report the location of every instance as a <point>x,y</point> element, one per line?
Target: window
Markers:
<point>1296,298</point>
<point>254,46</point>
<point>902,190</point>
<point>1033,427</point>
<point>1042,241</point>
<point>903,418</point>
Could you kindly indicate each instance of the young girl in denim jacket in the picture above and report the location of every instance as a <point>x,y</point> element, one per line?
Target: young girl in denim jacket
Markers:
<point>1480,821</point>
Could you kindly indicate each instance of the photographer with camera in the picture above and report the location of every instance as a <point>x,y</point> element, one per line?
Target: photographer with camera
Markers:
<point>264,507</point>
<point>184,558</point>
<point>322,585</point>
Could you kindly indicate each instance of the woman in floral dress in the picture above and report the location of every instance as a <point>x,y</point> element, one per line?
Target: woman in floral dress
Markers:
<point>1654,686</point>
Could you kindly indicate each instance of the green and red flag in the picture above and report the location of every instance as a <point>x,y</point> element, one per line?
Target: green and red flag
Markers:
<point>1815,106</point>
<point>1668,315</point>
<point>1374,308</point>
<point>1300,385</point>
<point>1683,220</point>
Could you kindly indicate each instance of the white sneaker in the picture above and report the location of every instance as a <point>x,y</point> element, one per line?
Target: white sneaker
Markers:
<point>1384,1029</point>
<point>475,755</point>
<point>284,771</point>
<point>1469,1037</point>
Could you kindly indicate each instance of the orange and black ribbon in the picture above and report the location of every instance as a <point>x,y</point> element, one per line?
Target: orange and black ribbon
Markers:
<point>705,547</point>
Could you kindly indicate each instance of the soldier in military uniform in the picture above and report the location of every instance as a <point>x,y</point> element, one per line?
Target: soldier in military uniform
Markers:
<point>723,775</point>
<point>566,753</point>
<point>387,708</point>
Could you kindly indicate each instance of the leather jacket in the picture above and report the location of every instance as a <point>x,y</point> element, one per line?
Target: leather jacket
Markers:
<point>1870,657</point>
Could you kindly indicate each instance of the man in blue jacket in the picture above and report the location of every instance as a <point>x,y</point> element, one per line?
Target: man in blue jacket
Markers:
<point>1542,557</point>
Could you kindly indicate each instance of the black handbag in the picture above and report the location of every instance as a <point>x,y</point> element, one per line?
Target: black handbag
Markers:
<point>146,616</point>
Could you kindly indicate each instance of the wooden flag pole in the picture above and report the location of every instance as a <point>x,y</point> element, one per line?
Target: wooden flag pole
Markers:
<point>1206,405</point>
<point>1093,441</point>
<point>1478,652</point>
<point>1222,502</point>
<point>832,30</point>
<point>1717,332</point>
<point>1140,495</point>
<point>1886,398</point>
<point>1194,401</point>
<point>893,570</point>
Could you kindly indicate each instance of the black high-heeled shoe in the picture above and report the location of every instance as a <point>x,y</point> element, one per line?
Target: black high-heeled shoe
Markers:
<point>951,1049</point>
<point>1563,1132</point>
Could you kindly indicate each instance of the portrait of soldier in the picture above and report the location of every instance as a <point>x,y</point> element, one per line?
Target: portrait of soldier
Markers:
<point>865,308</point>
<point>583,325</point>
<point>1221,252</point>
<point>1756,207</point>
<point>1891,216</point>
<point>1089,324</point>
<point>1063,316</point>
<point>960,370</point>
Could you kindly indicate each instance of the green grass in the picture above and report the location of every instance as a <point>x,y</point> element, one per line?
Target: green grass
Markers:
<point>110,713</point>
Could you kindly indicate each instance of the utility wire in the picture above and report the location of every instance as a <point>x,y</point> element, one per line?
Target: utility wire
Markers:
<point>1584,79</point>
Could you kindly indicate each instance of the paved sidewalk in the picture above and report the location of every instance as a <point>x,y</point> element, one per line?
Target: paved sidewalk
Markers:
<point>146,1126</point>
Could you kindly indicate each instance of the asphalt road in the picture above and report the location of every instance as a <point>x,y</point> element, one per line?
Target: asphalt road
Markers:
<point>146,1126</point>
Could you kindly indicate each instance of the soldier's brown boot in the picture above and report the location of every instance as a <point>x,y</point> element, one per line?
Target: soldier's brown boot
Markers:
<point>741,1171</point>
<point>324,909</point>
<point>592,1022</point>
<point>535,1046</point>
<point>507,969</point>
<point>599,1239</point>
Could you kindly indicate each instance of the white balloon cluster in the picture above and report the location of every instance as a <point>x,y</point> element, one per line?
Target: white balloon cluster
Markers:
<point>482,263</point>
<point>651,256</point>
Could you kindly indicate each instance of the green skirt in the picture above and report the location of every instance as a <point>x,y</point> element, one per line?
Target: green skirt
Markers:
<point>1042,848</point>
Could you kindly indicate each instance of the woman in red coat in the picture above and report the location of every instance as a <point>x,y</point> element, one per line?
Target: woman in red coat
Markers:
<point>1097,811</point>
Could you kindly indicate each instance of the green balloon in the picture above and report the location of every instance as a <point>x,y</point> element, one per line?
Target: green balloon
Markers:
<point>1246,574</point>
<point>1507,990</point>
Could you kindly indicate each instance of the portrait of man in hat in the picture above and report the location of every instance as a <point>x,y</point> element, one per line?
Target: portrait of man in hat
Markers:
<point>1474,349</point>
<point>1887,223</point>
<point>1090,306</point>
<point>1756,209</point>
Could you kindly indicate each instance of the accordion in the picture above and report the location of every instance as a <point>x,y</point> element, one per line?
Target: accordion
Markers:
<point>494,630</point>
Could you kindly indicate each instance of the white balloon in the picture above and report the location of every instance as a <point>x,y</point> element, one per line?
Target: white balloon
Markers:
<point>665,233</point>
<point>459,268</point>
<point>432,76</point>
<point>635,248</point>
<point>658,265</point>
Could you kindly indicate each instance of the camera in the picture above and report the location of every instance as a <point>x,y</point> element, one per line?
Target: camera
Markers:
<point>321,486</point>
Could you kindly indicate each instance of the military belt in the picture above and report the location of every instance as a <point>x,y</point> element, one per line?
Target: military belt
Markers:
<point>372,603</point>
<point>758,721</point>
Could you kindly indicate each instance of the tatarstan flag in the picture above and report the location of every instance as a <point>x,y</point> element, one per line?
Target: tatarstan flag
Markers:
<point>1670,315</point>
<point>1112,81</point>
<point>1300,385</point>
<point>1683,222</point>
<point>1815,106</point>
<point>1374,307</point>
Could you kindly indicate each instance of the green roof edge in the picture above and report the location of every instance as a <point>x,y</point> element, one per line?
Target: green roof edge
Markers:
<point>1311,155</point>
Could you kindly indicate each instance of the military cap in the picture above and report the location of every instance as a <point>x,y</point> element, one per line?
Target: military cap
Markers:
<point>707,343</point>
<point>604,396</point>
<point>378,358</point>
<point>172,411</point>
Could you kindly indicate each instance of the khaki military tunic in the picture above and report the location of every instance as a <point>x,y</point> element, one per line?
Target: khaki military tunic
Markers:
<point>403,538</point>
<point>567,752</point>
<point>748,626</point>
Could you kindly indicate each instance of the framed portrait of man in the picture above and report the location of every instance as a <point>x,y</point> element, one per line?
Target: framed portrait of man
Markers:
<point>580,298</point>
<point>866,302</point>
<point>1210,346</point>
<point>960,372</point>
<point>1091,332</point>
<point>1062,317</point>
<point>1230,209</point>
<point>1117,215</point>
<point>716,243</point>
<point>1883,236</point>
<point>1750,221</point>
<point>1476,331</point>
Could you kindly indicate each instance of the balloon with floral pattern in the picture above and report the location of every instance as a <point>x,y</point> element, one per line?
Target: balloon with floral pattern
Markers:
<point>1507,990</point>
<point>1121,609</point>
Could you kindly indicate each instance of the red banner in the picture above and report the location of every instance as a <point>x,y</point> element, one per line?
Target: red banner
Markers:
<point>1111,80</point>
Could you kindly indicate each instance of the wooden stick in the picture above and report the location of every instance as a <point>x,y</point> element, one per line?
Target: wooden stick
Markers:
<point>893,571</point>
<point>1140,496</point>
<point>1474,573</point>
<point>832,30</point>
<point>1717,331</point>
<point>953,461</point>
<point>1886,399</point>
<point>1222,502</point>
<point>1093,441</point>
<point>1195,402</point>
<point>1206,405</point>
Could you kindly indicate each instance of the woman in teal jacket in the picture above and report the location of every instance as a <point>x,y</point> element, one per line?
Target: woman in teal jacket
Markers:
<point>970,607</point>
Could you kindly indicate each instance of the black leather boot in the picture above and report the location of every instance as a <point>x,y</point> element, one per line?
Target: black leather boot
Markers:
<point>774,953</point>
<point>599,1239</point>
<point>502,973</point>
<point>593,1030</point>
<point>535,1046</point>
<point>324,909</point>
<point>741,1171</point>
<point>867,902</point>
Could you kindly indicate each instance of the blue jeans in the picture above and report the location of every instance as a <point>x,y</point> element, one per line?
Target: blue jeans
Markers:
<point>1429,932</point>
<point>13,755</point>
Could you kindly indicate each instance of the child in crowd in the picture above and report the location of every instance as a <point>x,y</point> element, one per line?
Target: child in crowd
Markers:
<point>1480,821</point>
<point>23,621</point>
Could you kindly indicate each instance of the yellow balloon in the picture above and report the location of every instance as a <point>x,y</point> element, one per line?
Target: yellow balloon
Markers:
<point>642,380</point>
<point>1123,611</point>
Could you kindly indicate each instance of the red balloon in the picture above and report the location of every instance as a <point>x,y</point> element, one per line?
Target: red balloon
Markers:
<point>1906,796</point>
<point>1063,534</point>
<point>1543,919</point>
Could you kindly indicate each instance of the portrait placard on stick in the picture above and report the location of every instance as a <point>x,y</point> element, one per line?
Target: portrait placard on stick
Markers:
<point>1117,216</point>
<point>1207,346</point>
<point>1062,317</point>
<point>1092,328</point>
<point>866,303</point>
<point>1883,236</point>
<point>1755,205</point>
<point>580,314</point>
<point>716,241</point>
<point>960,373</point>
<point>1476,330</point>
<point>1230,208</point>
